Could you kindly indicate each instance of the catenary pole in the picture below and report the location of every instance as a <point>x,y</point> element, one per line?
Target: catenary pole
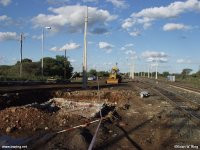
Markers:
<point>85,51</point>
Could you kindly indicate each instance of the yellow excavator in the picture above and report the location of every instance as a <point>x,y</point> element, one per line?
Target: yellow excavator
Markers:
<point>114,77</point>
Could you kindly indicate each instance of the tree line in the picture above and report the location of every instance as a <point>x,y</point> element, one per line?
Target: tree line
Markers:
<point>58,66</point>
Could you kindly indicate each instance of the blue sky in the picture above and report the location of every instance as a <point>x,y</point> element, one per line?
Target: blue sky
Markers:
<point>128,32</point>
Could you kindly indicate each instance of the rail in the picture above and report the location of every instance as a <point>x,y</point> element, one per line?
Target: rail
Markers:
<point>186,88</point>
<point>190,108</point>
<point>180,103</point>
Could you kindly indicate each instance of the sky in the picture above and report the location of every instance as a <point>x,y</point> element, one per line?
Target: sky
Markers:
<point>140,33</point>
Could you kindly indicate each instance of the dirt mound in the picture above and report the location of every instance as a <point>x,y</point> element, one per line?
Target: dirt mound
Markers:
<point>23,118</point>
<point>29,120</point>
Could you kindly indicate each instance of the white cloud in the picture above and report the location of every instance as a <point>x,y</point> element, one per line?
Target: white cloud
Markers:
<point>71,18</point>
<point>91,1</point>
<point>7,36</point>
<point>183,61</point>
<point>55,49</point>
<point>170,11</point>
<point>72,60</point>
<point>36,37</point>
<point>127,46</point>
<point>123,48</point>
<point>148,54</point>
<point>5,2</point>
<point>5,21</point>
<point>175,26</point>
<point>57,2</point>
<point>152,56</point>
<point>118,3</point>
<point>4,18</point>
<point>107,46</point>
<point>127,23</point>
<point>135,33</point>
<point>68,46</point>
<point>158,59</point>
<point>8,21</point>
<point>130,52</point>
<point>148,15</point>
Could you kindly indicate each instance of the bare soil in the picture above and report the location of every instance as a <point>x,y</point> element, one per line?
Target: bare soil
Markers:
<point>130,122</point>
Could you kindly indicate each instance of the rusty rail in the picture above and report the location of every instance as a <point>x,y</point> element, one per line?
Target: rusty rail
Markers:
<point>175,99</point>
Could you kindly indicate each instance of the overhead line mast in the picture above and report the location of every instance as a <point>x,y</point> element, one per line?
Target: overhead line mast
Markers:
<point>85,51</point>
<point>21,43</point>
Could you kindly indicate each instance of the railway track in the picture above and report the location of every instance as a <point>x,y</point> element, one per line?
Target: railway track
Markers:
<point>189,108</point>
<point>173,84</point>
<point>186,88</point>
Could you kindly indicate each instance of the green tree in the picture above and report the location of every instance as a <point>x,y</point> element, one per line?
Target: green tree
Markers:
<point>57,67</point>
<point>185,72</point>
<point>50,66</point>
<point>31,69</point>
<point>67,68</point>
<point>103,73</point>
<point>4,69</point>
<point>198,73</point>
<point>165,73</point>
<point>92,72</point>
<point>25,60</point>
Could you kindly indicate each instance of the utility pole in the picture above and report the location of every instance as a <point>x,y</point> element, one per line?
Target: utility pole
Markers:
<point>21,42</point>
<point>151,71</point>
<point>65,64</point>
<point>85,52</point>
<point>133,72</point>
<point>42,64</point>
<point>156,68</point>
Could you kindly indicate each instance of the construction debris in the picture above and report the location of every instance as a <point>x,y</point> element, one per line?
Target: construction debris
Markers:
<point>144,94</point>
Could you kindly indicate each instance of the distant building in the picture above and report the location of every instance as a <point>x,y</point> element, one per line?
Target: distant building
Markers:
<point>171,78</point>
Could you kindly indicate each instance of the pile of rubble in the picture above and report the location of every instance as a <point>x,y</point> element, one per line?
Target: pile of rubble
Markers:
<point>23,118</point>
<point>77,106</point>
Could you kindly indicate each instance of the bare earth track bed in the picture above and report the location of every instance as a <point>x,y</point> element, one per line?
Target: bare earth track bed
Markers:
<point>129,122</point>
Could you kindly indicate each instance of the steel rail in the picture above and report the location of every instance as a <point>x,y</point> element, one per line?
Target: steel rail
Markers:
<point>188,89</point>
<point>191,116</point>
<point>182,97</point>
